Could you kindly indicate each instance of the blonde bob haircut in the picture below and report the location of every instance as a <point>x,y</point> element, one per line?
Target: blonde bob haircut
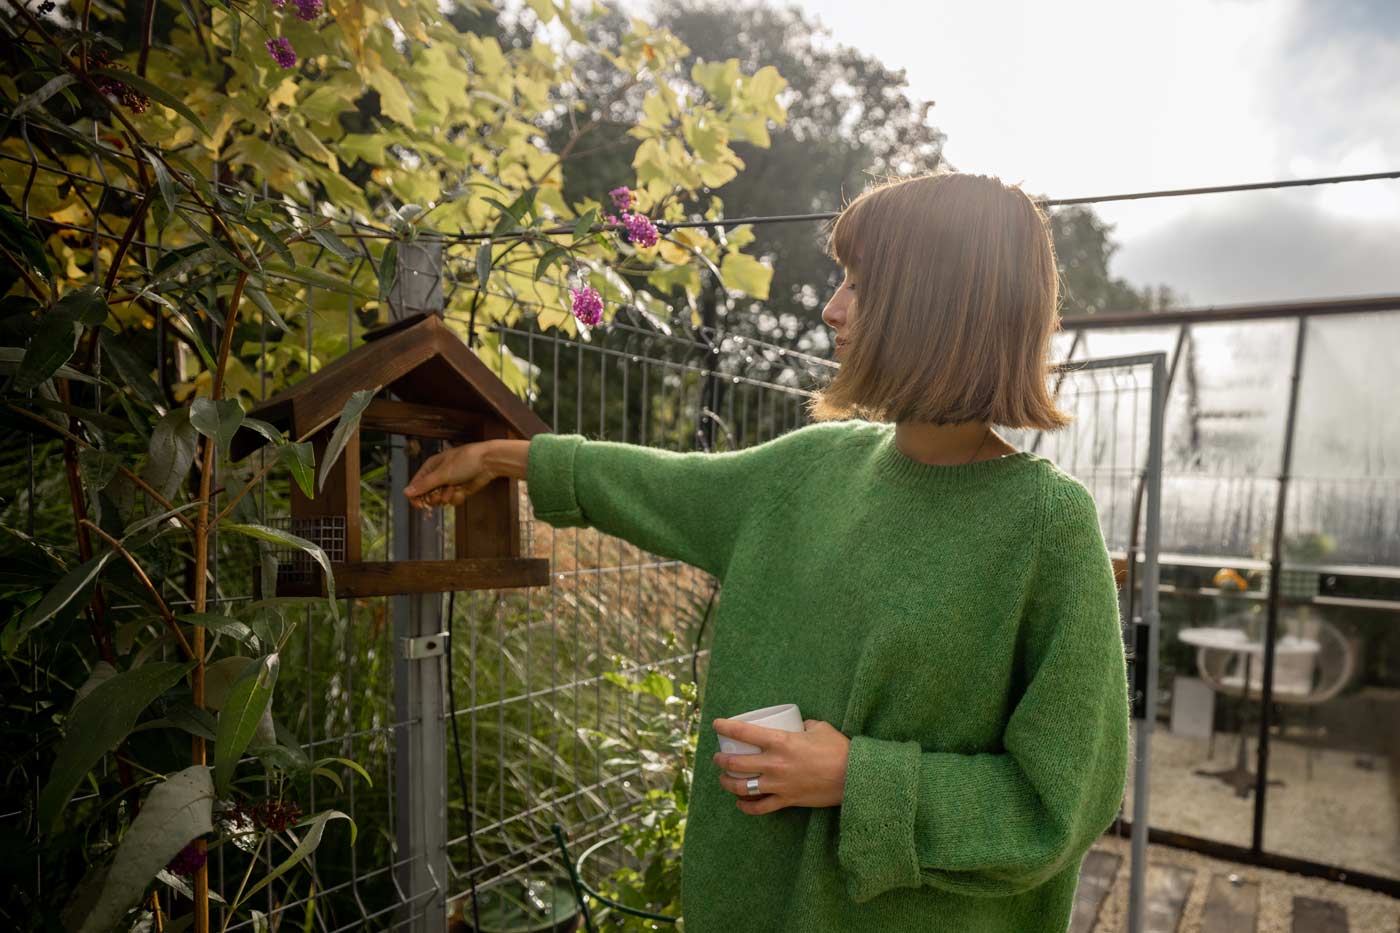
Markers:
<point>955,304</point>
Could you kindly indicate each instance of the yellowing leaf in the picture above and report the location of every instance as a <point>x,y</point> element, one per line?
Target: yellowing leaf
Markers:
<point>743,273</point>
<point>393,99</point>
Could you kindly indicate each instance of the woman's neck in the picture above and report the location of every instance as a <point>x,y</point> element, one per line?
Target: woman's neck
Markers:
<point>949,444</point>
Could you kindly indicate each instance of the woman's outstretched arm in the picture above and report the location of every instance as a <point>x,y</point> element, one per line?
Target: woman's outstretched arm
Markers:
<point>687,506</point>
<point>995,824</point>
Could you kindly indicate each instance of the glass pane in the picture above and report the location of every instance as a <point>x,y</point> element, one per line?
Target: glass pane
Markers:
<point>1345,499</point>
<point>1331,749</point>
<point>1224,438</point>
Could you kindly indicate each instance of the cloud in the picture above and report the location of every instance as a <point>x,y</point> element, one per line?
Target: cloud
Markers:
<point>1270,246</point>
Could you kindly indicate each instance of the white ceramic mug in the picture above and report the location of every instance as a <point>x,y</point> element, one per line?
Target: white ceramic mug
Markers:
<point>784,716</point>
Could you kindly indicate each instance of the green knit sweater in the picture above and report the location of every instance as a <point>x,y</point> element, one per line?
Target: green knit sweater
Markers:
<point>959,624</point>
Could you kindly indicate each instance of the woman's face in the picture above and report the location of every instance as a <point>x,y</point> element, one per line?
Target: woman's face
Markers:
<point>839,309</point>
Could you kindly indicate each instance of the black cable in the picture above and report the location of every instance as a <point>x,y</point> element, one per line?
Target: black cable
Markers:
<point>461,770</point>
<point>695,654</point>
<point>664,226</point>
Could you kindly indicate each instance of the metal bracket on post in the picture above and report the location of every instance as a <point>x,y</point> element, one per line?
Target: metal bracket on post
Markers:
<point>424,646</point>
<point>422,872</point>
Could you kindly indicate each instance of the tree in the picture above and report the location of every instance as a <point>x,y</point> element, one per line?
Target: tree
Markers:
<point>1083,247</point>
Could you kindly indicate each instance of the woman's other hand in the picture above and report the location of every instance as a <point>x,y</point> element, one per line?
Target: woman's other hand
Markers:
<point>796,769</point>
<point>449,477</point>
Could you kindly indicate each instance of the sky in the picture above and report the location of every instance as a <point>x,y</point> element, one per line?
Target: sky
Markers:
<point>1084,97</point>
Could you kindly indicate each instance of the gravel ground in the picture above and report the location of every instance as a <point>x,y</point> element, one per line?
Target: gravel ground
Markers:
<point>1367,911</point>
<point>1344,814</point>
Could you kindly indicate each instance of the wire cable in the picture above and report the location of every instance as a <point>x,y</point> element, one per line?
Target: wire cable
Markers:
<point>457,747</point>
<point>665,226</point>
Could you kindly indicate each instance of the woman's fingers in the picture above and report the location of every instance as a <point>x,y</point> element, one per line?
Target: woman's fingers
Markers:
<point>737,786</point>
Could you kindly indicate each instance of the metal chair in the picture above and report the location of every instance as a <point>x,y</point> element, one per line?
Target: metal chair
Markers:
<point>1303,680</point>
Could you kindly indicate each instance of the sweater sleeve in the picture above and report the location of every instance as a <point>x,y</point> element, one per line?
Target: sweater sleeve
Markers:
<point>997,824</point>
<point>686,506</point>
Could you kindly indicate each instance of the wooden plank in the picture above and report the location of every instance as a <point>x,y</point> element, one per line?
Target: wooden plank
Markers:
<point>1232,906</point>
<point>391,578</point>
<point>1096,876</point>
<point>414,420</point>
<point>1312,915</point>
<point>1168,887</point>
<point>488,523</point>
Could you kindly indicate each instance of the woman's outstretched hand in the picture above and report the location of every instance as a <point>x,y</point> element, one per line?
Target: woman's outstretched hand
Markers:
<point>449,477</point>
<point>796,769</point>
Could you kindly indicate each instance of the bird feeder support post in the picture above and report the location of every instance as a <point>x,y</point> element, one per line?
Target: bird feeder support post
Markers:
<point>419,694</point>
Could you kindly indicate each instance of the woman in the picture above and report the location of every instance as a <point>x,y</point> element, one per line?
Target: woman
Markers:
<point>941,603</point>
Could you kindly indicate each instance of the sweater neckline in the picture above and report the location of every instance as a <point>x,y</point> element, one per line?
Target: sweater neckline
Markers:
<point>894,464</point>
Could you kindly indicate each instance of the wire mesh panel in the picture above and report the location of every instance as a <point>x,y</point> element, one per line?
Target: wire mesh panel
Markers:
<point>547,733</point>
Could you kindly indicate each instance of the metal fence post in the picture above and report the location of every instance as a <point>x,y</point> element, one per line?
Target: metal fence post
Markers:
<point>1145,631</point>
<point>420,746</point>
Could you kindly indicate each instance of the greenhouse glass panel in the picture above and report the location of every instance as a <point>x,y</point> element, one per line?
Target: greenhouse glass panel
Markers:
<point>1346,490</point>
<point>1224,438</point>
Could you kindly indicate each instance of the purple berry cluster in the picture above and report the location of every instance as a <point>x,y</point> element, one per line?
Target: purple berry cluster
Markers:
<point>637,228</point>
<point>281,51</point>
<point>128,96</point>
<point>587,305</point>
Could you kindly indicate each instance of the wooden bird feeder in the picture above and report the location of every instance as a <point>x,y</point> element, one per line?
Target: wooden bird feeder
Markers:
<point>442,391</point>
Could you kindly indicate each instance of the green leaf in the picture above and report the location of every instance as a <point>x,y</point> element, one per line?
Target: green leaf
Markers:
<point>273,435</point>
<point>352,765</point>
<point>12,357</point>
<point>312,827</point>
<point>175,813</point>
<point>585,223</point>
<point>163,181</point>
<point>266,234</point>
<point>300,459</point>
<point>287,539</point>
<point>259,298</point>
<point>75,584</point>
<point>550,257</point>
<point>173,445</point>
<point>224,625</point>
<point>309,275</point>
<point>155,92</point>
<point>83,305</point>
<point>238,721</point>
<point>96,725</point>
<point>183,714</point>
<point>53,343</point>
<point>97,468</point>
<point>348,423</point>
<point>388,270</point>
<point>132,370</point>
<point>50,88</point>
<point>221,675</point>
<point>217,421</point>
<point>335,244</point>
<point>16,232</point>
<point>483,263</point>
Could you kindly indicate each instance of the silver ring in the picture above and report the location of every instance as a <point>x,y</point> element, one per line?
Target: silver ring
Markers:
<point>752,785</point>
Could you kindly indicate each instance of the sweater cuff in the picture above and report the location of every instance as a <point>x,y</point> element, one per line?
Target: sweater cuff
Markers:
<point>876,846</point>
<point>549,479</point>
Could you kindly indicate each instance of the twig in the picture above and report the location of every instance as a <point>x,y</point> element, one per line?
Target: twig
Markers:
<point>165,612</point>
<point>257,477</point>
<point>144,486</point>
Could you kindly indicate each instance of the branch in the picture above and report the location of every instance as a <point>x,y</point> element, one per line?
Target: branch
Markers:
<point>141,483</point>
<point>164,609</point>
